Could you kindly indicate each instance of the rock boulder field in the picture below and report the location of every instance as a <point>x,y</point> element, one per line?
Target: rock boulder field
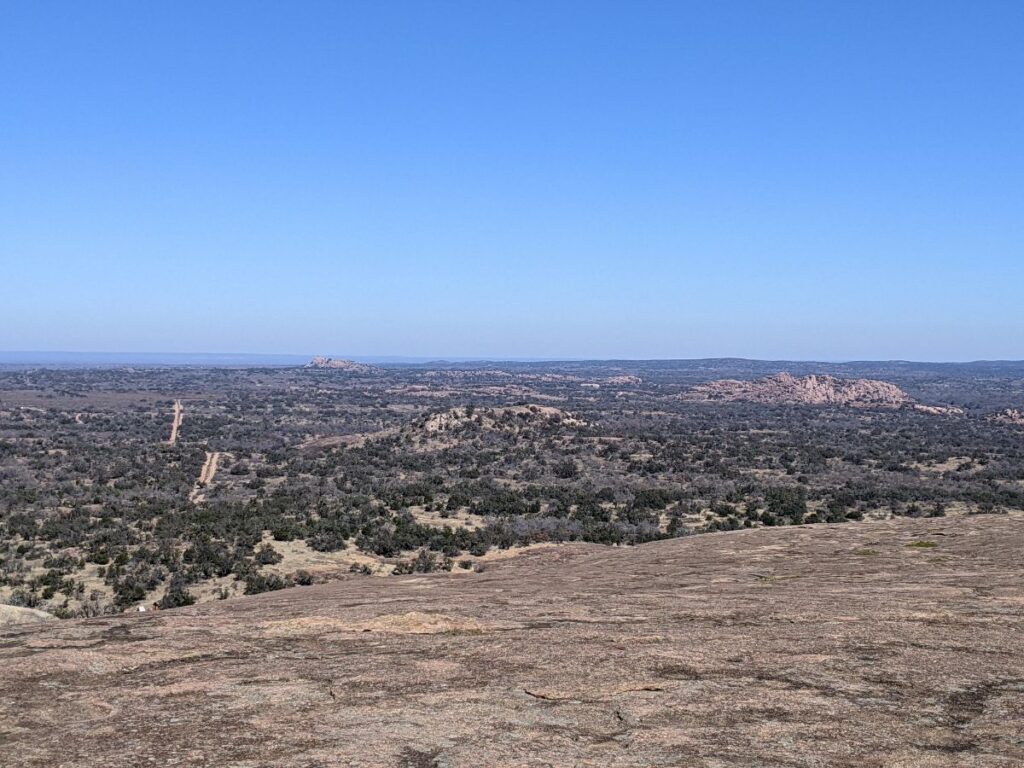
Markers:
<point>882,644</point>
<point>784,389</point>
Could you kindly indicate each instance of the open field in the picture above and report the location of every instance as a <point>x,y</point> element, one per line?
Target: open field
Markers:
<point>886,643</point>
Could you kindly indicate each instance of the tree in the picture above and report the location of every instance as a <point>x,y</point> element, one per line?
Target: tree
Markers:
<point>788,501</point>
<point>177,594</point>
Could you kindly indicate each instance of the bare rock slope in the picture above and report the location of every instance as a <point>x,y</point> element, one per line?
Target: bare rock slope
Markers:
<point>885,644</point>
<point>784,389</point>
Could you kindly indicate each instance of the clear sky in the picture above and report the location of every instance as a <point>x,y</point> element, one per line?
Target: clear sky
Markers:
<point>828,180</point>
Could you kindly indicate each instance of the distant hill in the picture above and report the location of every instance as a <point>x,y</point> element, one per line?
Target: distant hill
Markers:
<point>785,389</point>
<point>341,365</point>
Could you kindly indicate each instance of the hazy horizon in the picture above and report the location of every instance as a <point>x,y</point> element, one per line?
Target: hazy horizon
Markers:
<point>99,357</point>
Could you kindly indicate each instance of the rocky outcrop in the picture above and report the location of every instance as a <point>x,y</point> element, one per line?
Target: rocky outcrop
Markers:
<point>512,418</point>
<point>939,410</point>
<point>340,365</point>
<point>1011,416</point>
<point>784,389</point>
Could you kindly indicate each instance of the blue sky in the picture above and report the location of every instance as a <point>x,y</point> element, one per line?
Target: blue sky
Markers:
<point>553,179</point>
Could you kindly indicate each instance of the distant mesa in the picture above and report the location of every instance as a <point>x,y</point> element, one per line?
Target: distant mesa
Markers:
<point>785,389</point>
<point>341,365</point>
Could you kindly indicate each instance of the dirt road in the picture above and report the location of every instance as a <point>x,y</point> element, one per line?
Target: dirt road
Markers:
<point>178,416</point>
<point>206,475</point>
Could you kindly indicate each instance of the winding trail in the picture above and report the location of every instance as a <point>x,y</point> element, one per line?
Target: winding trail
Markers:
<point>178,416</point>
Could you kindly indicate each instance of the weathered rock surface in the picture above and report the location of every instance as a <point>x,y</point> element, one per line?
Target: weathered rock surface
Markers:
<point>882,644</point>
<point>784,389</point>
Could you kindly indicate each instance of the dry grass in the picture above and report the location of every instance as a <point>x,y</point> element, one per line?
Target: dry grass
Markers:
<point>297,555</point>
